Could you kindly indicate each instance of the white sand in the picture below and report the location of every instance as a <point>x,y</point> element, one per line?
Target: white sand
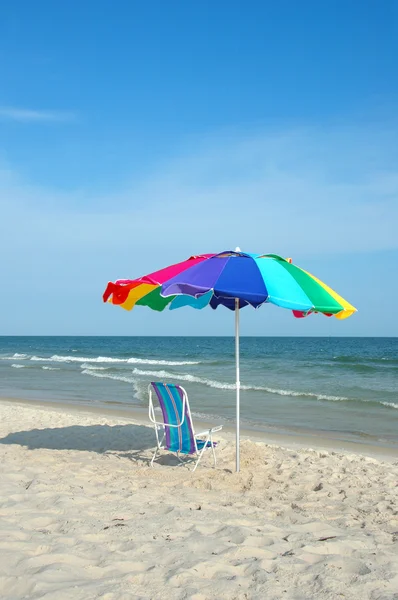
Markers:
<point>82,516</point>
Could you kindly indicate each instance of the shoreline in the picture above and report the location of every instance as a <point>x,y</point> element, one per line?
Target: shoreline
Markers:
<point>309,439</point>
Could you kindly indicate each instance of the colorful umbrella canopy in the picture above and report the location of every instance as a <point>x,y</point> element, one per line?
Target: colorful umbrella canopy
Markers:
<point>145,291</point>
<point>234,280</point>
<point>217,279</point>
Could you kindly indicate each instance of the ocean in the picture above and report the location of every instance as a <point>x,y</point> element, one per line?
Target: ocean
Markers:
<point>344,387</point>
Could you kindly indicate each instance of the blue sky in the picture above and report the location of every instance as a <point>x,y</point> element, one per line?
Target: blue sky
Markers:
<point>134,134</point>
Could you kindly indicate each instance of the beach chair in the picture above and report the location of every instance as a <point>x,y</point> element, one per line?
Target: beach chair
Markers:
<point>176,433</point>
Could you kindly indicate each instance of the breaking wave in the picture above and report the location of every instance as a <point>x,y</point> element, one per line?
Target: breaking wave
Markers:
<point>108,376</point>
<point>15,356</point>
<point>186,377</point>
<point>171,363</point>
<point>389,404</point>
<point>232,386</point>
<point>353,359</point>
<point>109,359</point>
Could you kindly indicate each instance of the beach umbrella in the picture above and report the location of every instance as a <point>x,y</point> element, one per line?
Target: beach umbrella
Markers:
<point>233,279</point>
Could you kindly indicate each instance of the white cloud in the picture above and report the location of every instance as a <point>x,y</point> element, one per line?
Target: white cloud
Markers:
<point>296,194</point>
<point>25,115</point>
<point>318,196</point>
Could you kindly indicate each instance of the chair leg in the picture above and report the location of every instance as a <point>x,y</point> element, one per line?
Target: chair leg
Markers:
<point>178,456</point>
<point>200,456</point>
<point>214,452</point>
<point>154,456</point>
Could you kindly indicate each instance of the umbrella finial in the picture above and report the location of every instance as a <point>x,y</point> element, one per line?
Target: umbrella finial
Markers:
<point>237,249</point>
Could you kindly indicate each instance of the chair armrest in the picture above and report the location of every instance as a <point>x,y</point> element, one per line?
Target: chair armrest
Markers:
<point>208,431</point>
<point>216,428</point>
<point>158,424</point>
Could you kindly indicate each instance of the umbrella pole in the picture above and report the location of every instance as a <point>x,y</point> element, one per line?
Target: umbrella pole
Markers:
<point>237,381</point>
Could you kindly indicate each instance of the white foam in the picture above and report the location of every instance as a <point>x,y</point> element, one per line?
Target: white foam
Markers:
<point>51,368</point>
<point>171,363</point>
<point>108,376</point>
<point>18,366</point>
<point>232,386</point>
<point>15,356</point>
<point>390,404</point>
<point>327,397</point>
<point>99,359</point>
<point>63,359</point>
<point>303,394</point>
<point>93,367</point>
<point>109,359</point>
<point>186,377</point>
<point>140,390</point>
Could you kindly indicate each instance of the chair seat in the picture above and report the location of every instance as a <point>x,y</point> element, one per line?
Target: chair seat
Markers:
<point>201,443</point>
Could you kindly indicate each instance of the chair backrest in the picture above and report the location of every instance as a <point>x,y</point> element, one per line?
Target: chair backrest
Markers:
<point>173,401</point>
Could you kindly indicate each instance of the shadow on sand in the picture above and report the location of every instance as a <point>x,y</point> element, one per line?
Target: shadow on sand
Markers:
<point>126,441</point>
<point>92,438</point>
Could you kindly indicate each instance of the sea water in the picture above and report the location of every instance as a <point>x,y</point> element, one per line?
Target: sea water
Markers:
<point>344,386</point>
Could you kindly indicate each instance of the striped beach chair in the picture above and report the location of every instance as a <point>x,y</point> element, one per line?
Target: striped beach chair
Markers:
<point>176,433</point>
